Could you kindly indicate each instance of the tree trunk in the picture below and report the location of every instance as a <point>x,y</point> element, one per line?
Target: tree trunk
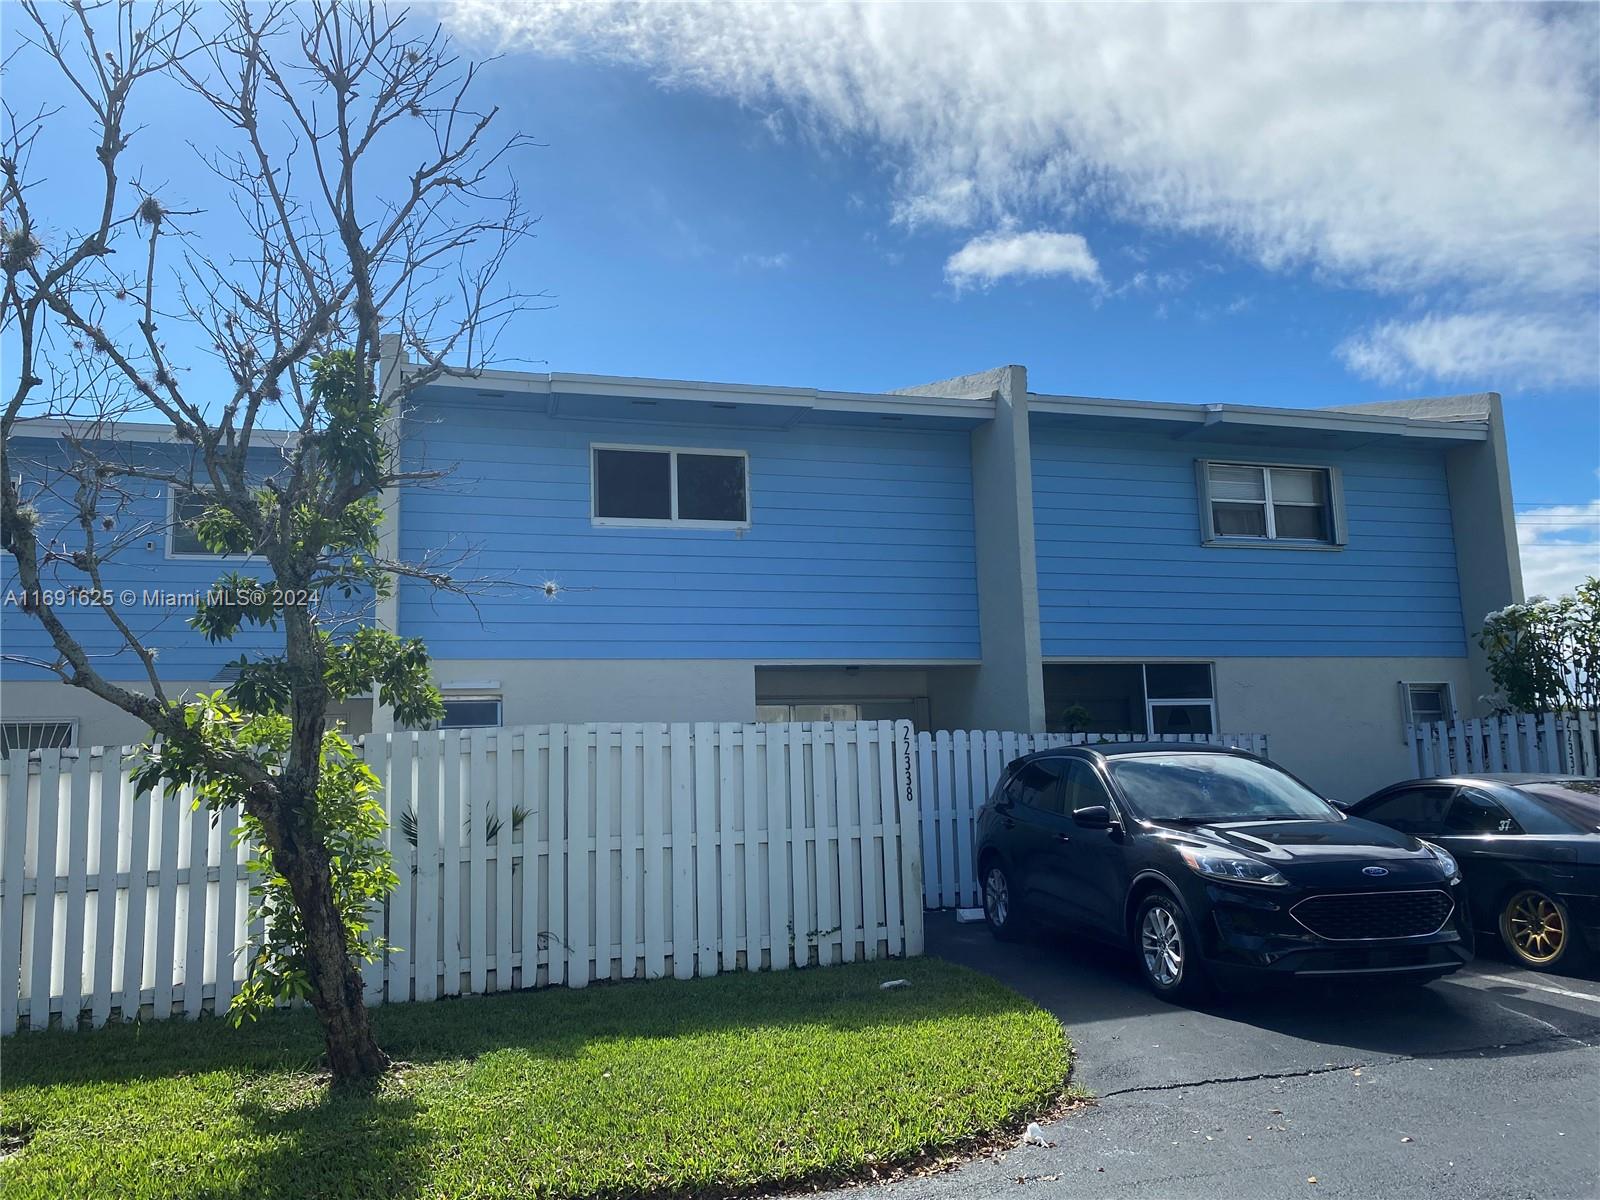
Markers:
<point>336,987</point>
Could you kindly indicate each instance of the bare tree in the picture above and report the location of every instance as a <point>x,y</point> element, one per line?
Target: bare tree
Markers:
<point>333,261</point>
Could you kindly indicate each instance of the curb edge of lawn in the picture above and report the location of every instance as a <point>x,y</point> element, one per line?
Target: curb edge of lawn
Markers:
<point>921,1164</point>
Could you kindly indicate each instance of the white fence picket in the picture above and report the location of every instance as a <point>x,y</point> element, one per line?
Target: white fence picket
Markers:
<point>683,895</point>
<point>475,809</point>
<point>453,763</point>
<point>780,898</point>
<point>754,799</point>
<point>402,934</point>
<point>787,844</point>
<point>504,879</point>
<point>106,844</point>
<point>226,922</point>
<point>705,849</point>
<point>657,874</point>
<point>802,847</point>
<point>77,893</point>
<point>44,896</point>
<point>579,809</point>
<point>606,869</point>
<point>14,796</point>
<point>375,751</point>
<point>429,869</point>
<point>194,935</point>
<point>729,809</point>
<point>136,928</point>
<point>630,934</point>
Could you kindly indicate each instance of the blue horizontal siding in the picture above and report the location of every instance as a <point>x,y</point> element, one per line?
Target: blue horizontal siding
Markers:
<point>182,654</point>
<point>1122,571</point>
<point>860,546</point>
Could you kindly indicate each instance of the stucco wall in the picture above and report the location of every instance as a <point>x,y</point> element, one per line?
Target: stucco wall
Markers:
<point>1335,722</point>
<point>570,690</point>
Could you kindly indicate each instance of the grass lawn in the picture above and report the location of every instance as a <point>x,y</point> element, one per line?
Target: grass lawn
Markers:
<point>713,1085</point>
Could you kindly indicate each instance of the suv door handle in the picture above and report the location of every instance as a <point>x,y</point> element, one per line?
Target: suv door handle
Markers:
<point>1062,837</point>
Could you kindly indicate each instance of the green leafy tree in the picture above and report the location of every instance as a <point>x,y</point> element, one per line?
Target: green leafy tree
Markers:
<point>1544,656</point>
<point>337,262</point>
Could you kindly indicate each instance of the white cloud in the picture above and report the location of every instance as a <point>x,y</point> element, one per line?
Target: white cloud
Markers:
<point>1560,546</point>
<point>767,262</point>
<point>1478,348</point>
<point>1406,148</point>
<point>994,256</point>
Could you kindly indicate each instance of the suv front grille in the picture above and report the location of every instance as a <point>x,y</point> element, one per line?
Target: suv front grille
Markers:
<point>1373,916</point>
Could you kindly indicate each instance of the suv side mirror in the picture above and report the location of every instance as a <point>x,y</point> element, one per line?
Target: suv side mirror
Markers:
<point>1096,816</point>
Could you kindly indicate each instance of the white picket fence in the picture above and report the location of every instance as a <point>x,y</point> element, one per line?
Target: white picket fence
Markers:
<point>957,771</point>
<point>622,851</point>
<point>1517,742</point>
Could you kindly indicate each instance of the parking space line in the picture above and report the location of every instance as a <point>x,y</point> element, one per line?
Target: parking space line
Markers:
<point>1537,987</point>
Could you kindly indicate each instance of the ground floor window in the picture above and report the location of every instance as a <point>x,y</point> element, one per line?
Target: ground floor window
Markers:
<point>470,712</point>
<point>913,709</point>
<point>23,736</point>
<point>1134,697</point>
<point>1425,703</point>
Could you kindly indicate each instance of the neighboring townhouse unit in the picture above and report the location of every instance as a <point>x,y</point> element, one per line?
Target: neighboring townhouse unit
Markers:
<point>966,554</point>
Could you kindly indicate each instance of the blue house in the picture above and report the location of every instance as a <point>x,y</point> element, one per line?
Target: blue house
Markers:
<point>968,554</point>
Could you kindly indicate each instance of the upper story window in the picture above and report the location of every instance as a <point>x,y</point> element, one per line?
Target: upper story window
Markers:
<point>638,485</point>
<point>1250,503</point>
<point>182,540</point>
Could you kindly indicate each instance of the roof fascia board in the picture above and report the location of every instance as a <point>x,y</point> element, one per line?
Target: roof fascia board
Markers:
<point>129,431</point>
<point>635,387</point>
<point>1215,415</point>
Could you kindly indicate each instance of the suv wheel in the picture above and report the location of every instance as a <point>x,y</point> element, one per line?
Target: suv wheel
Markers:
<point>1000,906</point>
<point>1169,955</point>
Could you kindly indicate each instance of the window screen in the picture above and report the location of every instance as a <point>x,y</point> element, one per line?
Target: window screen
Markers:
<point>181,537</point>
<point>711,487</point>
<point>633,483</point>
<point>670,486</point>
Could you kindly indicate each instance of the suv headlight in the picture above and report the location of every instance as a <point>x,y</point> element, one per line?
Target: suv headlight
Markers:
<point>1230,867</point>
<point>1444,858</point>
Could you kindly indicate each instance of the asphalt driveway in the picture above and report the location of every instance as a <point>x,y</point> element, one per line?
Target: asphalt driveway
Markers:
<point>1486,1084</point>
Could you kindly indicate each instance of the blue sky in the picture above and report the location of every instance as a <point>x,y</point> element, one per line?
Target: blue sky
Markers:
<point>1283,207</point>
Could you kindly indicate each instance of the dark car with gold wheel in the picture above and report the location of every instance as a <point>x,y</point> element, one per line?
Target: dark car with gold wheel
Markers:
<point>1529,851</point>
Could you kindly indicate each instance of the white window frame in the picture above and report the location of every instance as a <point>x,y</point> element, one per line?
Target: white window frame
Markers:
<point>673,522</point>
<point>1408,713</point>
<point>199,556</point>
<point>1337,537</point>
<point>71,722</point>
<point>1150,705</point>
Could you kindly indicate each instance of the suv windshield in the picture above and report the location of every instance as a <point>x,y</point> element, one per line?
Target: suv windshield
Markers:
<point>1202,788</point>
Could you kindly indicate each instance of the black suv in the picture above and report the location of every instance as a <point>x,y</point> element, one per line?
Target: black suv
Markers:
<point>1215,865</point>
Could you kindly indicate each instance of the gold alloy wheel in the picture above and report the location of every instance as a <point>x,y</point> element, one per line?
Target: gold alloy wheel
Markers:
<point>1534,927</point>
